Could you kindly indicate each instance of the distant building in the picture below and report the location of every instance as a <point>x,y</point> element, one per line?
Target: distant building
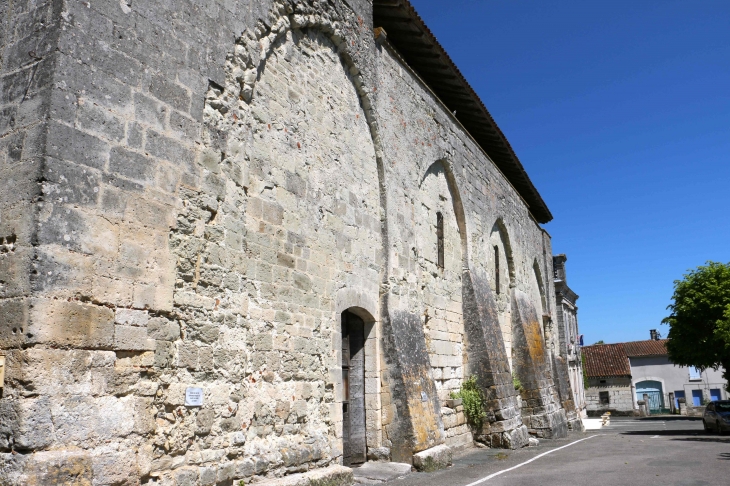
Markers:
<point>569,340</point>
<point>620,374</point>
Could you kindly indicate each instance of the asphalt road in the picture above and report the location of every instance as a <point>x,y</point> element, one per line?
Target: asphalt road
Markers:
<point>652,451</point>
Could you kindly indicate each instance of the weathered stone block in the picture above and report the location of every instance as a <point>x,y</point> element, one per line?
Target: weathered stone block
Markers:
<point>208,475</point>
<point>113,467</point>
<point>433,459</point>
<point>58,467</point>
<point>14,323</point>
<point>71,183</point>
<point>186,355</point>
<point>334,475</point>
<point>69,144</point>
<point>163,329</point>
<point>244,468</point>
<point>31,423</point>
<point>186,477</point>
<point>164,354</point>
<point>132,338</point>
<point>204,421</point>
<point>71,324</point>
<point>132,165</point>
<point>380,454</point>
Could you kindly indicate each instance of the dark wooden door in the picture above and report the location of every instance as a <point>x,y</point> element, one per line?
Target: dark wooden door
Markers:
<point>353,389</point>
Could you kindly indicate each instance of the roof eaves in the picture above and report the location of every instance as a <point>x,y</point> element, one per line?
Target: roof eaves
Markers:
<point>401,21</point>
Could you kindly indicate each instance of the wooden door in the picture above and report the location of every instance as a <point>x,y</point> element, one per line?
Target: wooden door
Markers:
<point>353,389</point>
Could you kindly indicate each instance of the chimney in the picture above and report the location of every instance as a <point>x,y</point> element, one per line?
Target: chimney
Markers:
<point>654,335</point>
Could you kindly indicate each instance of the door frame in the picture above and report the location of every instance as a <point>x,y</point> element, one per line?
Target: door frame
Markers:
<point>365,308</point>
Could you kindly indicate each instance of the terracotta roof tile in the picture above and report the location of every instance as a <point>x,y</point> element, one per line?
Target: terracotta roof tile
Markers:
<point>650,347</point>
<point>606,360</point>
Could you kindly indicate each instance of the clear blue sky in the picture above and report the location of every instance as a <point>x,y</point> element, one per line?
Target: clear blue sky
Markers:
<point>620,112</point>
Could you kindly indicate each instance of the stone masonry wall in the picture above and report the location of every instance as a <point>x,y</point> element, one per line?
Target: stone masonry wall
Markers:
<point>192,193</point>
<point>28,36</point>
<point>620,395</point>
<point>441,287</point>
<point>418,132</point>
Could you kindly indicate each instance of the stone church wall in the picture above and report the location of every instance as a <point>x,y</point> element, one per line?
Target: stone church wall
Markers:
<point>192,193</point>
<point>421,133</point>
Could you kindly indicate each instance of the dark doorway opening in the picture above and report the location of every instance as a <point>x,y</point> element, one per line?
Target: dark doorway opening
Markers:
<point>353,389</point>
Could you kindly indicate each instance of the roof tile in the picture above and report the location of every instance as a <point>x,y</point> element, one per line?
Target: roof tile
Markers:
<point>605,360</point>
<point>651,347</point>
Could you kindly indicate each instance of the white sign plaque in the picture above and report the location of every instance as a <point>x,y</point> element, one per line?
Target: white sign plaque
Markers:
<point>193,397</point>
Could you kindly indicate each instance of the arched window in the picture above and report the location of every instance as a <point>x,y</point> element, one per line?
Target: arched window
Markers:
<point>440,239</point>
<point>496,268</point>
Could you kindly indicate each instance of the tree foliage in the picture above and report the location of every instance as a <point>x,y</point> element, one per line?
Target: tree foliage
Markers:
<point>699,325</point>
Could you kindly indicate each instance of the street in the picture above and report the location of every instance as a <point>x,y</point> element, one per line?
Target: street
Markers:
<point>652,451</point>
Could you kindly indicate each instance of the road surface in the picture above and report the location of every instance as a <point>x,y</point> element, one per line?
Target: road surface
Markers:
<point>666,451</point>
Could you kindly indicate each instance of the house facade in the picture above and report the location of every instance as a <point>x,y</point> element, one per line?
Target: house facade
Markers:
<point>619,375</point>
<point>245,240</point>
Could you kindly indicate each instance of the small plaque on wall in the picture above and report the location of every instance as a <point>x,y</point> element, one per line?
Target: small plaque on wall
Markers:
<point>424,397</point>
<point>193,397</point>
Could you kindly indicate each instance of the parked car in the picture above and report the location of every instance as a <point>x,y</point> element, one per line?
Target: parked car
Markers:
<point>717,416</point>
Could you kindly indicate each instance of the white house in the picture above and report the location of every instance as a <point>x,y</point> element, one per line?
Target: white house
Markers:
<point>642,369</point>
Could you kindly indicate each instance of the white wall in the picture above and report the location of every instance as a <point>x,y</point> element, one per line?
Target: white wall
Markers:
<point>673,377</point>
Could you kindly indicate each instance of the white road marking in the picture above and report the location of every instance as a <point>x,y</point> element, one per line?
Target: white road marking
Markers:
<point>655,437</point>
<point>614,424</point>
<point>494,475</point>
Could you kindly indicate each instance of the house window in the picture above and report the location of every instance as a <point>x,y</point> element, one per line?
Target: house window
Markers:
<point>440,239</point>
<point>604,398</point>
<point>694,373</point>
<point>696,398</point>
<point>496,269</point>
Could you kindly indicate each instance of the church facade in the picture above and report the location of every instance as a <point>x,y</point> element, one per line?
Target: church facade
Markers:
<point>245,240</point>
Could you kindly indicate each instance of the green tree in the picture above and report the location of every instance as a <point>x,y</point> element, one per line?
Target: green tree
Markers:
<point>699,325</point>
<point>599,342</point>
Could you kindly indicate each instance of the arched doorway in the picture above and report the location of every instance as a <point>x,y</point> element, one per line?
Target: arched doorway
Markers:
<point>354,450</point>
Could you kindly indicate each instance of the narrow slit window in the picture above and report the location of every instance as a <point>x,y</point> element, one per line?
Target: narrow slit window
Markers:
<point>440,239</point>
<point>496,269</point>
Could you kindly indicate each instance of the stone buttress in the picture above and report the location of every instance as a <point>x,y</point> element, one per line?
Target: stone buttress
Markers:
<point>192,193</point>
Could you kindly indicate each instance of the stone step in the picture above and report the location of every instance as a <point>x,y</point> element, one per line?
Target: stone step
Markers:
<point>380,472</point>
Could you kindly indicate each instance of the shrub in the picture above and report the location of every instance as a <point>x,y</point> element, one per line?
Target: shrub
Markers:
<point>473,401</point>
<point>516,382</point>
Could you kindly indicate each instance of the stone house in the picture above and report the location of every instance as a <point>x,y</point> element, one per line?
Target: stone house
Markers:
<point>608,380</point>
<point>242,240</point>
<point>619,375</point>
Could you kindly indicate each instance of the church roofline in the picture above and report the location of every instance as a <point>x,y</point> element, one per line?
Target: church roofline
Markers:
<point>408,33</point>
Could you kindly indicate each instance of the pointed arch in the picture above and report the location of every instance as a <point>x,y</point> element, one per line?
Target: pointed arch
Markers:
<point>501,229</point>
<point>456,201</point>
<point>248,61</point>
<point>540,286</point>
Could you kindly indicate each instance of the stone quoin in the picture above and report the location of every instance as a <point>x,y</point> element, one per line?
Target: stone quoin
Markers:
<point>258,241</point>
